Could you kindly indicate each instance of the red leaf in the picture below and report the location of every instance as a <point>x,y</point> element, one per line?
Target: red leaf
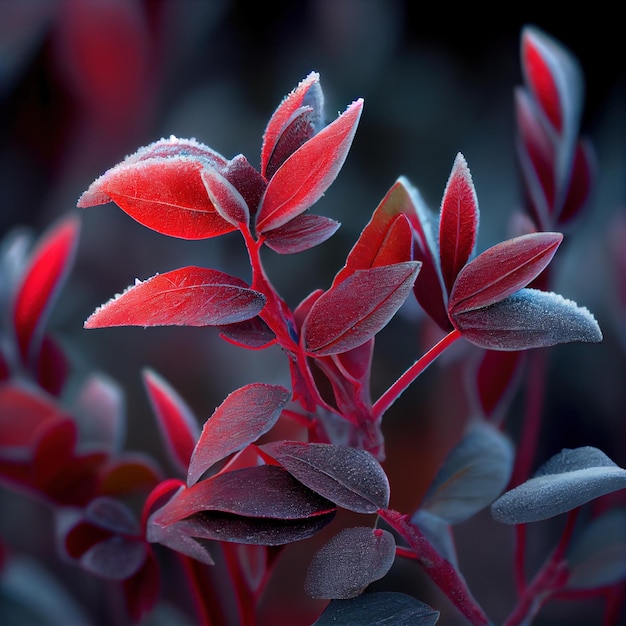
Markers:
<point>164,194</point>
<point>47,268</point>
<point>178,426</point>
<point>502,270</point>
<point>143,590</point>
<point>189,296</point>
<point>458,222</point>
<point>228,202</point>
<point>580,184</point>
<point>387,238</point>
<point>352,312</point>
<point>304,177</point>
<point>242,418</point>
<point>301,233</point>
<point>308,89</point>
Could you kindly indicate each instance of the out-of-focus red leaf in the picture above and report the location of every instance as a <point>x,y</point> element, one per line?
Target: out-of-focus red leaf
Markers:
<point>226,199</point>
<point>241,419</point>
<point>143,590</point>
<point>458,221</point>
<point>53,366</point>
<point>304,177</point>
<point>349,562</point>
<point>351,313</point>
<point>537,156</point>
<point>128,473</point>
<point>189,296</point>
<point>164,194</point>
<point>270,492</point>
<point>47,268</point>
<point>308,89</point>
<point>580,184</point>
<point>177,423</point>
<point>349,477</point>
<point>301,233</point>
<point>22,413</point>
<point>502,270</point>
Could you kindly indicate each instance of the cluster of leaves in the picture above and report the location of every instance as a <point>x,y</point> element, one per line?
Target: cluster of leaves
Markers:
<point>238,501</point>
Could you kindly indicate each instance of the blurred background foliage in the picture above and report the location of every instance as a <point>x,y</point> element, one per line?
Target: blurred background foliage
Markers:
<point>83,83</point>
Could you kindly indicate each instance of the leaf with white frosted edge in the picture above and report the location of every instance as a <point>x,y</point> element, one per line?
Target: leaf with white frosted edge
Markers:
<point>568,480</point>
<point>380,608</point>
<point>597,556</point>
<point>528,319</point>
<point>349,562</point>
<point>474,473</point>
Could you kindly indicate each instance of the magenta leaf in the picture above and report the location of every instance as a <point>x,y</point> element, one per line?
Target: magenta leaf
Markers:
<point>301,233</point>
<point>568,480</point>
<point>378,608</point>
<point>352,312</point>
<point>307,96</point>
<point>165,194</point>
<point>528,319</point>
<point>115,558</point>
<point>177,423</point>
<point>349,562</point>
<point>349,477</point>
<point>597,555</point>
<point>189,296</point>
<point>271,492</point>
<point>304,177</point>
<point>458,221</point>
<point>473,475</point>
<point>228,202</point>
<point>241,419</point>
<point>47,267</point>
<point>502,270</point>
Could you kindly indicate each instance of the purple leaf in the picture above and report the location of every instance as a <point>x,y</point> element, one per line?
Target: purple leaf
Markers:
<point>380,608</point>
<point>566,481</point>
<point>112,515</point>
<point>301,233</point>
<point>116,558</point>
<point>177,424</point>
<point>473,475</point>
<point>352,312</point>
<point>304,177</point>
<point>271,492</point>
<point>502,270</point>
<point>263,531</point>
<point>349,477</point>
<point>175,537</point>
<point>189,296</point>
<point>242,418</point>
<point>349,562</point>
<point>458,221</point>
<point>253,334</point>
<point>528,319</point>
<point>597,555</point>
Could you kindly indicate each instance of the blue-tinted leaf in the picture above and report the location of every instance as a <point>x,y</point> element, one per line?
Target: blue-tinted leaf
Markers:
<point>116,558</point>
<point>438,532</point>
<point>112,515</point>
<point>349,477</point>
<point>383,608</point>
<point>597,557</point>
<point>475,472</point>
<point>528,319</point>
<point>568,480</point>
<point>351,560</point>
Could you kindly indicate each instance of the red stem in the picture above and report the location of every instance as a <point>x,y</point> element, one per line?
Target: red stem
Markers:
<point>441,571</point>
<point>395,391</point>
<point>200,591</point>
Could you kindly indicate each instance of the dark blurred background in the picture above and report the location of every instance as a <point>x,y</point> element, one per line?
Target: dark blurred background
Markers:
<point>83,83</point>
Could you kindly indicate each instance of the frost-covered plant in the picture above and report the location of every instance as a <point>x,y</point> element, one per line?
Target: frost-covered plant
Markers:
<point>233,502</point>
